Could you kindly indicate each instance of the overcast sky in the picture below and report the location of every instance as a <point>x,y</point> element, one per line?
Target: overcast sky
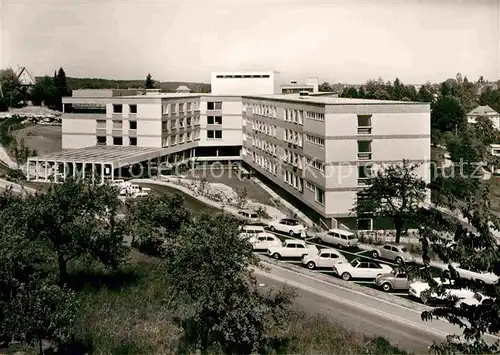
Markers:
<point>337,41</point>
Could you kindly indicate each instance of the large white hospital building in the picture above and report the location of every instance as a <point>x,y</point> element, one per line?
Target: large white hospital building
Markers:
<point>316,149</point>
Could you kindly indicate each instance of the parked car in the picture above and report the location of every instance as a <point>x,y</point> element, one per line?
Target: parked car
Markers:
<point>248,231</point>
<point>396,253</point>
<point>363,269</point>
<point>264,241</point>
<point>289,226</point>
<point>291,248</point>
<point>465,273</point>
<point>420,291</point>
<point>140,194</point>
<point>248,216</point>
<point>117,182</point>
<point>395,280</point>
<point>323,258</point>
<point>340,238</point>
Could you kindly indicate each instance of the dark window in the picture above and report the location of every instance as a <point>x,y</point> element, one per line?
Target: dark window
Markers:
<point>132,141</point>
<point>324,255</point>
<point>117,108</point>
<point>133,108</point>
<point>210,134</point>
<point>117,140</point>
<point>101,140</point>
<point>364,120</point>
<point>214,105</point>
<point>214,120</point>
<point>387,247</point>
<point>301,246</point>
<point>401,276</point>
<point>218,134</point>
<point>132,124</point>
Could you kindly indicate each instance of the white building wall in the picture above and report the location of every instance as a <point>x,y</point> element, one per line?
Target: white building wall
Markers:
<point>244,86</point>
<point>400,123</point>
<point>232,122</point>
<point>340,124</point>
<point>78,132</point>
<point>339,201</point>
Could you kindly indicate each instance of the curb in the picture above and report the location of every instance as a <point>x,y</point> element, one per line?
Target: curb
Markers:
<point>387,297</point>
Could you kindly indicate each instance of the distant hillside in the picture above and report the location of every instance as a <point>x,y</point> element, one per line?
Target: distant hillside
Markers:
<point>97,83</point>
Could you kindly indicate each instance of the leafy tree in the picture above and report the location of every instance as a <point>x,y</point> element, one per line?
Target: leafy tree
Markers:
<point>396,192</point>
<point>209,267</point>
<point>21,151</point>
<point>150,84</point>
<point>381,94</point>
<point>44,92</point>
<point>77,220</point>
<point>447,114</point>
<point>361,93</point>
<point>10,94</point>
<point>475,246</point>
<point>155,220</point>
<point>242,198</point>
<point>425,94</point>
<point>325,87</point>
<point>42,311</point>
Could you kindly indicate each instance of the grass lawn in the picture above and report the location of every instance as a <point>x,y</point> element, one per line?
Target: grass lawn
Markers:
<point>42,138</point>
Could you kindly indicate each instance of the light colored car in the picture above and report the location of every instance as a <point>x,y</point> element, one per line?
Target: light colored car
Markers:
<point>340,238</point>
<point>465,273</point>
<point>324,258</point>
<point>248,216</point>
<point>248,231</point>
<point>396,253</point>
<point>288,226</point>
<point>264,241</point>
<point>361,269</point>
<point>395,280</point>
<point>291,248</point>
<point>420,290</point>
<point>140,194</point>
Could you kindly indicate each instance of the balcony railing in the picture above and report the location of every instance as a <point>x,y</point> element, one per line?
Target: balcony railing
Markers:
<point>364,155</point>
<point>364,181</point>
<point>365,130</point>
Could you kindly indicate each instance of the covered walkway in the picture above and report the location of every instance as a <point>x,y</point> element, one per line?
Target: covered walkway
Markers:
<point>106,162</point>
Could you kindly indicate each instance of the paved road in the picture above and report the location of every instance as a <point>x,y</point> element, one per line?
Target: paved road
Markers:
<point>361,312</point>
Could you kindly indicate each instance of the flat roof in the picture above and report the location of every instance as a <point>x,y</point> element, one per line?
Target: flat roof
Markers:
<point>119,156</point>
<point>328,100</point>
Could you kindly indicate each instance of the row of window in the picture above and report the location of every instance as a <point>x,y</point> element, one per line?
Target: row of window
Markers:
<point>293,180</point>
<point>214,105</point>
<point>102,140</point>
<point>265,163</point>
<point>214,134</point>
<point>264,145</point>
<point>179,123</point>
<point>315,116</point>
<point>293,137</point>
<point>180,138</point>
<point>316,164</point>
<point>214,119</point>
<point>117,124</point>
<point>295,116</point>
<point>265,128</point>
<point>264,110</point>
<point>315,140</point>
<point>293,158</point>
<point>319,193</point>
<point>180,107</point>
<point>118,108</point>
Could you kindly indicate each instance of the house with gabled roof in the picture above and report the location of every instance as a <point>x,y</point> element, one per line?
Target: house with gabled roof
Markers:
<point>484,112</point>
<point>25,77</point>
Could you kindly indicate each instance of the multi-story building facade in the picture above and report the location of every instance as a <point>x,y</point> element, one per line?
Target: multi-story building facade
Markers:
<point>311,85</point>
<point>323,150</point>
<point>320,150</point>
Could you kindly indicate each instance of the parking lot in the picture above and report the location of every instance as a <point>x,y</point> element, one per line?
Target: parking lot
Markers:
<point>350,254</point>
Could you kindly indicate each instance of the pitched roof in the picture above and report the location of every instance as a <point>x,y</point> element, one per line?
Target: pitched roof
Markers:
<point>25,77</point>
<point>482,110</point>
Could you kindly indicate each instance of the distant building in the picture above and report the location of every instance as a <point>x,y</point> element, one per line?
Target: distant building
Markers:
<point>183,90</point>
<point>319,149</point>
<point>311,85</point>
<point>484,112</point>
